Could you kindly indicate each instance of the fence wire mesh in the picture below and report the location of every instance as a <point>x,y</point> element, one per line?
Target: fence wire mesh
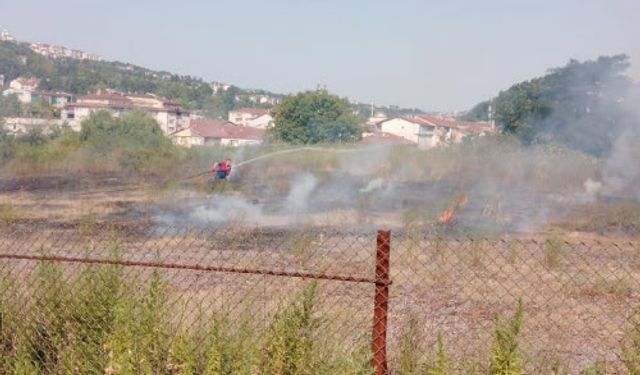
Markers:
<point>144,299</point>
<point>577,298</point>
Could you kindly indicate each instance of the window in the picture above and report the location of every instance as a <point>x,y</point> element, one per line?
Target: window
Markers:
<point>71,115</point>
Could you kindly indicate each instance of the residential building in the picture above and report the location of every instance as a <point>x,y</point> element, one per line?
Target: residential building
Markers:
<point>428,131</point>
<point>170,116</point>
<point>6,37</point>
<point>263,99</point>
<point>219,86</point>
<point>24,88</point>
<point>217,132</point>
<point>57,99</point>
<point>254,117</point>
<point>383,138</point>
<point>59,52</point>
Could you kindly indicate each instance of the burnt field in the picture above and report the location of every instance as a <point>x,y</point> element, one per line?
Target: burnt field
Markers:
<point>578,292</point>
<point>470,238</point>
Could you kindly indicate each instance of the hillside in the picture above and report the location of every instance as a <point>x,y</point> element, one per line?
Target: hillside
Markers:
<point>82,76</point>
<point>584,105</point>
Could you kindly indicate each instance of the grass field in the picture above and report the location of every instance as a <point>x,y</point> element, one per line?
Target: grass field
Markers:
<point>528,231</point>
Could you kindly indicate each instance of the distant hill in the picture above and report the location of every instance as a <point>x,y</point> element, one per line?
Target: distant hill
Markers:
<point>83,76</point>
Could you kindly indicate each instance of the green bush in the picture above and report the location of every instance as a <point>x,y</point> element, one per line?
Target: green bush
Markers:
<point>100,319</point>
<point>631,345</point>
<point>505,350</point>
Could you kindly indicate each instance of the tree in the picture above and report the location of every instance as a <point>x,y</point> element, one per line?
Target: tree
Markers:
<point>134,139</point>
<point>581,105</point>
<point>313,117</point>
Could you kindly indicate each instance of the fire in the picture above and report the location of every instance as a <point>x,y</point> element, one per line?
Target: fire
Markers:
<point>447,215</point>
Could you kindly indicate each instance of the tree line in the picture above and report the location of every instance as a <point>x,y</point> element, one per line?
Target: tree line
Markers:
<point>584,105</point>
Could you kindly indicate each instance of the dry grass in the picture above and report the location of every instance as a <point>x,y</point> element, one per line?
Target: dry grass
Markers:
<point>578,308</point>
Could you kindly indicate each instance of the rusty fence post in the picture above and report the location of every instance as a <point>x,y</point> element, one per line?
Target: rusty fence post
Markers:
<point>381,304</point>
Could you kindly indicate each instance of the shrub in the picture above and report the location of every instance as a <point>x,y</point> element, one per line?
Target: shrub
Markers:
<point>289,346</point>
<point>631,345</point>
<point>412,359</point>
<point>505,350</point>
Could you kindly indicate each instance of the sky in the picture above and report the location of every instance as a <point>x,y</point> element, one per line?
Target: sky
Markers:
<point>434,55</point>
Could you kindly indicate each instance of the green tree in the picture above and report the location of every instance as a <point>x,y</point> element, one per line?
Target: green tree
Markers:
<point>313,117</point>
<point>581,105</point>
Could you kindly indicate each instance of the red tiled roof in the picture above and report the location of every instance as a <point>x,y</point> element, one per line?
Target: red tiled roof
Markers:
<point>425,119</point>
<point>253,111</point>
<point>54,93</point>
<point>377,138</point>
<point>225,129</point>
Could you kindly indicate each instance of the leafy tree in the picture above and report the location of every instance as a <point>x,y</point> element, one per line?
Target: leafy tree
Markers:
<point>315,116</point>
<point>480,112</point>
<point>581,104</point>
<point>133,139</point>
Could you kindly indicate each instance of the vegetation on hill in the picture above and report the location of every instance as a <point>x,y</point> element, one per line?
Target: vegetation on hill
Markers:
<point>82,76</point>
<point>582,105</point>
<point>313,117</point>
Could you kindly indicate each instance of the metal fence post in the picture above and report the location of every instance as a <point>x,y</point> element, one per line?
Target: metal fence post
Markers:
<point>381,304</point>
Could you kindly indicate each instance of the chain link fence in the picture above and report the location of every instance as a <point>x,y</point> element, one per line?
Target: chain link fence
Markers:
<point>145,299</point>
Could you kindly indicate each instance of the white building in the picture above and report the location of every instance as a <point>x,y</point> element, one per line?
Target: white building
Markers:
<point>24,88</point>
<point>59,52</point>
<point>219,86</point>
<point>253,117</point>
<point>6,37</point>
<point>170,116</point>
<point>217,132</point>
<point>428,131</point>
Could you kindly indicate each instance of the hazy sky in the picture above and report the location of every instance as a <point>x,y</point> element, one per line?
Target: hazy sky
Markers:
<point>436,55</point>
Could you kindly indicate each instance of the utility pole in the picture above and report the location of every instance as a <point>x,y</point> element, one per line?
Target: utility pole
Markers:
<point>491,119</point>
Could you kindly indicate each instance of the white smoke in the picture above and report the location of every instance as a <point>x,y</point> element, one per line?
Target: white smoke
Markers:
<point>375,184</point>
<point>302,186</point>
<point>216,211</point>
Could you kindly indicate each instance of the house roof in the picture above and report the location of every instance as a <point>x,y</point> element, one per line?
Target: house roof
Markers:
<point>28,81</point>
<point>465,126</point>
<point>252,111</point>
<point>54,93</point>
<point>224,129</point>
<point>380,137</point>
<point>118,100</point>
<point>106,96</point>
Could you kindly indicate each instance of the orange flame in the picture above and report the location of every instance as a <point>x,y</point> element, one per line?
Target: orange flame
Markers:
<point>447,215</point>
